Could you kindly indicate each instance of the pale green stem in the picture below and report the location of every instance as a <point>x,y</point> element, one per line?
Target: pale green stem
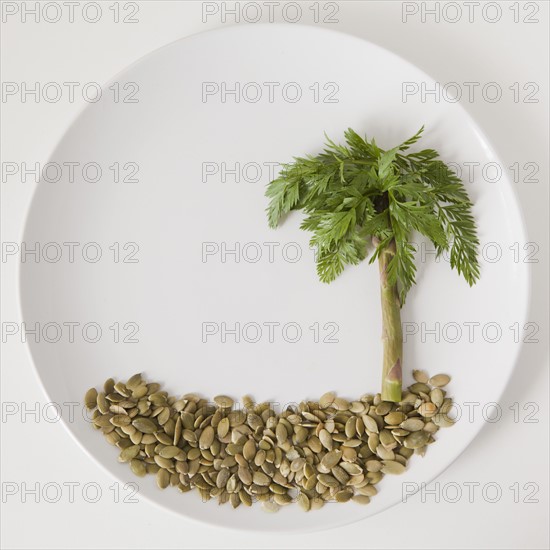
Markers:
<point>392,335</point>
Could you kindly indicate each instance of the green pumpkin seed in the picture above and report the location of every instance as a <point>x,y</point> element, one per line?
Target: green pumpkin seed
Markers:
<point>416,440</point>
<point>144,425</point>
<point>129,453</point>
<point>303,502</point>
<point>439,380</point>
<point>392,467</point>
<point>343,496</point>
<point>281,433</point>
<point>282,500</point>
<point>341,404</point>
<point>163,478</point>
<point>223,401</point>
<point>427,409</point>
<point>351,427</point>
<point>170,452</point>
<point>442,421</point>
<point>331,459</point>
<point>370,423</point>
<point>328,480</point>
<point>259,478</point>
<point>90,399</point>
<point>138,467</point>
<point>134,381</point>
<point>412,424</point>
<point>245,498</point>
<point>270,506</point>
<point>395,418</point>
<point>331,450</point>
<point>327,399</point>
<point>249,450</point>
<point>223,428</point>
<point>383,408</point>
<point>121,420</point>
<point>436,396</point>
<point>420,376</point>
<point>207,437</point>
<point>325,439</point>
<point>102,403</point>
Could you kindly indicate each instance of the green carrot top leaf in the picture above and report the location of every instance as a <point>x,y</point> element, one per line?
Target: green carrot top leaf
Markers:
<point>357,193</point>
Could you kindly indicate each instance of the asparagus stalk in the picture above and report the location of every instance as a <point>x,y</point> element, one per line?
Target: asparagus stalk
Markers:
<point>392,334</point>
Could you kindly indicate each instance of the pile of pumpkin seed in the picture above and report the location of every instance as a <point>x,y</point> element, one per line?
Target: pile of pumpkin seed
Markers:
<point>316,452</point>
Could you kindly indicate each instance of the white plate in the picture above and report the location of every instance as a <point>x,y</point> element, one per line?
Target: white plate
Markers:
<point>170,132</point>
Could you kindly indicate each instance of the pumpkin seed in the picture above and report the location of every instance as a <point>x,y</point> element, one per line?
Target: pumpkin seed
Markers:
<point>427,409</point>
<point>420,376</point>
<point>383,408</point>
<point>134,381</point>
<point>223,401</point>
<point>436,396</point>
<point>412,424</point>
<point>442,420</point>
<point>121,420</point>
<point>282,500</point>
<point>90,399</point>
<point>129,453</point>
<point>331,459</point>
<point>343,496</point>
<point>439,380</point>
<point>328,480</point>
<point>370,423</point>
<point>303,502</point>
<point>392,467</point>
<point>259,478</point>
<point>341,404</point>
<point>207,437</point>
<point>416,440</point>
<point>138,467</point>
<point>102,403</point>
<point>326,439</point>
<point>326,400</point>
<point>330,450</point>
<point>367,490</point>
<point>144,425</point>
<point>222,478</point>
<point>395,418</point>
<point>351,427</point>
<point>245,498</point>
<point>281,433</point>
<point>170,452</point>
<point>163,478</point>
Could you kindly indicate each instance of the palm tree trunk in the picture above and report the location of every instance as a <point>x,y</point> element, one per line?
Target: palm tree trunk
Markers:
<point>392,335</point>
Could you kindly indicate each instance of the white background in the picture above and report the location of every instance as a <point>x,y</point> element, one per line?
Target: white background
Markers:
<point>508,453</point>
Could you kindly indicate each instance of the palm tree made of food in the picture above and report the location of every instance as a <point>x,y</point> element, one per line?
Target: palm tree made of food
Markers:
<point>356,195</point>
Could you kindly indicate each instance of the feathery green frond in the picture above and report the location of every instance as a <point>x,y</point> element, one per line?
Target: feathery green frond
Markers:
<point>355,191</point>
